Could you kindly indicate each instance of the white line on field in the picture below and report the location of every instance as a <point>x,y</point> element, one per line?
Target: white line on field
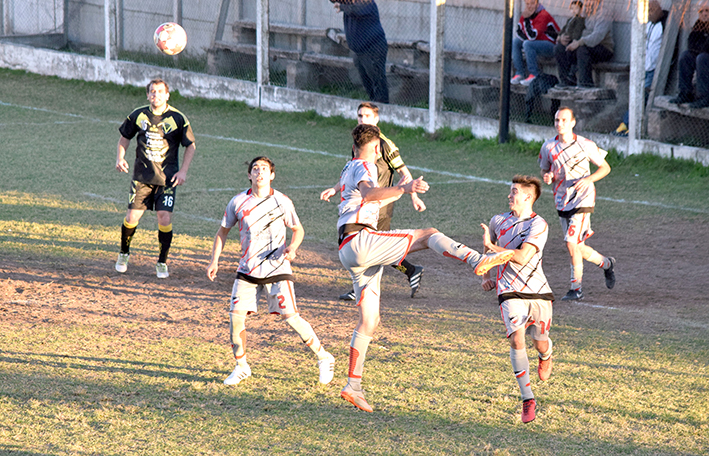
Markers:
<point>465,177</point>
<point>595,306</point>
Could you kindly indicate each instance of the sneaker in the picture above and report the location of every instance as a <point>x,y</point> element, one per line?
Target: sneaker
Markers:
<point>573,295</point>
<point>610,274</point>
<point>544,369</point>
<point>528,410</point>
<point>122,262</point>
<point>622,128</point>
<point>356,398</point>
<point>161,270</point>
<point>517,79</point>
<point>240,373</point>
<point>415,280</point>
<point>327,369</point>
<point>349,296</point>
<point>528,80</point>
<point>490,260</point>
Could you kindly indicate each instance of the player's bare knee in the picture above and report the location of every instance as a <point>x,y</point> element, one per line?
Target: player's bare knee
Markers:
<point>421,238</point>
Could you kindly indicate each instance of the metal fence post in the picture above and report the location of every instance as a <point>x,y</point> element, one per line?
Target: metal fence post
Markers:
<point>107,28</point>
<point>262,69</point>
<point>636,95</point>
<point>506,72</point>
<point>436,62</point>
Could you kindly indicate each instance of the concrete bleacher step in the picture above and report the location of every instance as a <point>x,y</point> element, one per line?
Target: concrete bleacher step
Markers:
<point>580,93</point>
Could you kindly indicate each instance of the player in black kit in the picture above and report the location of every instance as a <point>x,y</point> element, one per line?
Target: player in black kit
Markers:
<point>160,130</point>
<point>388,162</point>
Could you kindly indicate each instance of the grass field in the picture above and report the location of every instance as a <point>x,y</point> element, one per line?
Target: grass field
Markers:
<point>97,363</point>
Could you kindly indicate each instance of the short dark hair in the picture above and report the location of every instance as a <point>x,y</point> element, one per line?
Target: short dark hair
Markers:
<point>566,108</point>
<point>529,182</point>
<point>262,158</point>
<point>577,2</point>
<point>368,105</point>
<point>364,134</point>
<point>157,81</point>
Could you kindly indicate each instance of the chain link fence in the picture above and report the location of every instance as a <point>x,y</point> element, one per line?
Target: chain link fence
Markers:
<point>308,49</point>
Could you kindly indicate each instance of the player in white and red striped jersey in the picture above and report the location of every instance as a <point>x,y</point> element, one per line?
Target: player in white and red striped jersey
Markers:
<point>263,216</point>
<point>565,163</point>
<point>364,251</point>
<point>522,289</point>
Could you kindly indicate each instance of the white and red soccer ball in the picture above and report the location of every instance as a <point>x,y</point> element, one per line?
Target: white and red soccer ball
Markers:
<point>170,38</point>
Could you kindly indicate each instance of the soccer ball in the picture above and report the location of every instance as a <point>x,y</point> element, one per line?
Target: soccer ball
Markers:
<point>170,38</point>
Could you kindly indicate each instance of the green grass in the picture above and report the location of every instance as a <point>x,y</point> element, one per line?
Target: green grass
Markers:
<point>438,370</point>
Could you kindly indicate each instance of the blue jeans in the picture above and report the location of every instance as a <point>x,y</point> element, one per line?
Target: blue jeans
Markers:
<point>372,70</point>
<point>648,84</point>
<point>532,50</point>
<point>689,62</point>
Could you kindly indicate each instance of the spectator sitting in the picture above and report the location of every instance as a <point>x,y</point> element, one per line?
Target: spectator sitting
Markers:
<point>653,42</point>
<point>696,57</point>
<point>366,38</point>
<point>575,25</point>
<point>595,45</point>
<point>536,35</point>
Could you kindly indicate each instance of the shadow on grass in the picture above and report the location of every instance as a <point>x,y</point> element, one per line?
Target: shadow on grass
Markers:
<point>134,367</point>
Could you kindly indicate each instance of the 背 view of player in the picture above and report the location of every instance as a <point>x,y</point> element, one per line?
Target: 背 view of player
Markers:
<point>388,161</point>
<point>160,130</point>
<point>565,165</point>
<point>364,251</point>
<point>263,215</point>
<point>522,289</point>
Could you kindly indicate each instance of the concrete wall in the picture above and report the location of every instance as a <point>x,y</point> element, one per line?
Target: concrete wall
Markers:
<point>471,25</point>
<point>71,66</point>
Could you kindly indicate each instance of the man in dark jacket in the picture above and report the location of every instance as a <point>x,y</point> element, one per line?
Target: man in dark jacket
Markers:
<point>695,58</point>
<point>366,38</point>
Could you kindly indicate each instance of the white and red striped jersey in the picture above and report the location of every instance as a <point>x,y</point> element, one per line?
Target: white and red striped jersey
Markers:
<point>352,210</point>
<point>515,280</point>
<point>262,227</point>
<point>570,163</point>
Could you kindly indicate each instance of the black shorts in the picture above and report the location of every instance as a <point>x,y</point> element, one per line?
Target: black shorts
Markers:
<point>151,197</point>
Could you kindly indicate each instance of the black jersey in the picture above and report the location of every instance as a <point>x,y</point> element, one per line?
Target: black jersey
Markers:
<point>389,161</point>
<point>159,138</point>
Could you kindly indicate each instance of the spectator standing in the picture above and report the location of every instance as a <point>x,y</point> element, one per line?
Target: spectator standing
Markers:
<point>695,58</point>
<point>366,38</point>
<point>595,45</point>
<point>535,35</point>
<point>653,42</point>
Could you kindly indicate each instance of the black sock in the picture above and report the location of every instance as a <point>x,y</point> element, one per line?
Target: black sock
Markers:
<point>165,240</point>
<point>405,267</point>
<point>126,237</point>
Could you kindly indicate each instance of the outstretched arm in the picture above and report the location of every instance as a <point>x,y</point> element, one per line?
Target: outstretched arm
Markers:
<point>419,205</point>
<point>325,195</point>
<point>521,256</point>
<point>219,241</point>
<point>388,194</point>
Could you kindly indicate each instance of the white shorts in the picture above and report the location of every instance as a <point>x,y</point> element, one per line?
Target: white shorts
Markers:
<point>365,253</point>
<point>577,228</point>
<point>279,296</point>
<point>532,314</point>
